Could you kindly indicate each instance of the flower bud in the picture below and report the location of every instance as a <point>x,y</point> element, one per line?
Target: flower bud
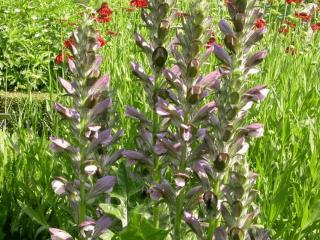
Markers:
<point>236,234</point>
<point>236,208</point>
<point>193,68</point>
<point>221,161</point>
<point>210,199</point>
<point>239,22</point>
<point>194,94</point>
<point>163,29</point>
<point>159,56</point>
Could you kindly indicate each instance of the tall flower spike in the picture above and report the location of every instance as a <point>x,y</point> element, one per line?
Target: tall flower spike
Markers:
<point>182,110</point>
<point>227,131</point>
<point>90,136</point>
<point>158,17</point>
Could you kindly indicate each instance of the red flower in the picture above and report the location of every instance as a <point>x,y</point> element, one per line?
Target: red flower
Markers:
<point>260,23</point>
<point>315,27</point>
<point>294,1</point>
<point>101,41</point>
<point>303,16</point>
<point>103,19</point>
<point>283,30</point>
<point>59,58</point>
<point>104,14</point>
<point>181,14</point>
<point>290,24</point>
<point>104,10</point>
<point>109,32</point>
<point>139,3</point>
<point>211,41</point>
<point>68,43</point>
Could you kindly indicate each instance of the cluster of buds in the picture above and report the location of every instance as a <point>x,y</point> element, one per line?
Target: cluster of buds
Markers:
<point>158,18</point>
<point>228,134</point>
<point>89,145</point>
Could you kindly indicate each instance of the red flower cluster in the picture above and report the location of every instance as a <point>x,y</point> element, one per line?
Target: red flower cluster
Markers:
<point>101,41</point>
<point>181,14</point>
<point>139,3</point>
<point>71,41</point>
<point>287,24</point>
<point>315,27</point>
<point>211,41</point>
<point>283,30</point>
<point>104,13</point>
<point>294,1</point>
<point>303,16</point>
<point>260,23</point>
<point>60,58</point>
<point>68,43</point>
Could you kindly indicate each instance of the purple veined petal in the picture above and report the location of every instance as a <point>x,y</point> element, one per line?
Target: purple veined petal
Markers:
<point>146,135</point>
<point>87,228</point>
<point>58,234</point>
<point>253,130</point>
<point>100,108</point>
<point>204,111</point>
<point>95,66</point>
<point>194,192</point>
<point>256,59</point>
<point>242,146</point>
<point>141,42</point>
<point>257,93</point>
<point>169,146</point>
<point>107,160</point>
<point>225,28</point>
<point>159,148</point>
<point>113,138</point>
<point>67,112</point>
<point>163,190</point>
<point>103,185</point>
<point>222,55</point>
<point>58,186</point>
<point>173,79</point>
<point>140,73</point>
<point>212,80</point>
<point>226,214</point>
<point>101,226</point>
<point>193,223</point>
<point>99,86</point>
<point>67,86</point>
<point>254,36</point>
<point>60,145</point>
<point>134,113</point>
<point>134,156</point>
<point>176,70</point>
<point>220,234</point>
<point>102,136</point>
<point>72,66</point>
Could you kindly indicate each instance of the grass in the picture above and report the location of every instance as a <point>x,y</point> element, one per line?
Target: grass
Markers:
<point>286,158</point>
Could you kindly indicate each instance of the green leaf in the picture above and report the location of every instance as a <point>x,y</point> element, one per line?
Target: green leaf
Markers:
<point>35,215</point>
<point>114,210</point>
<point>140,228</point>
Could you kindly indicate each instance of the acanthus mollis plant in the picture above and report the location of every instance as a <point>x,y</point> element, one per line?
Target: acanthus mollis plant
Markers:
<point>158,17</point>
<point>181,108</point>
<point>89,148</point>
<point>228,132</point>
